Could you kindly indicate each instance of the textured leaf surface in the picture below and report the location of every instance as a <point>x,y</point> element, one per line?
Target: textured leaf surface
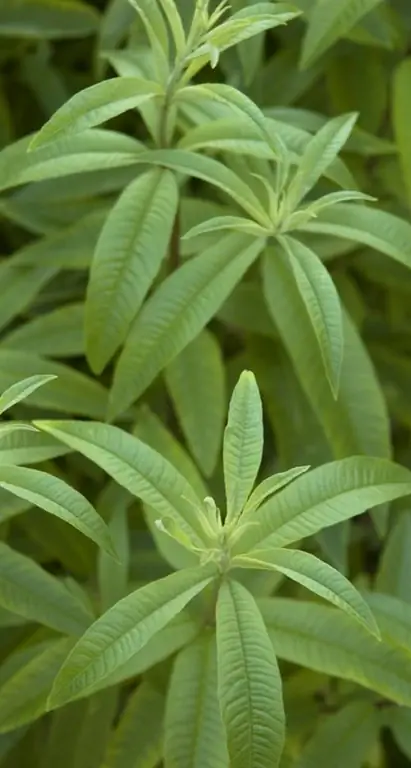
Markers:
<point>22,389</point>
<point>177,312</point>
<point>243,444</point>
<point>135,466</point>
<point>194,732</point>
<point>125,628</point>
<point>29,448</point>
<point>316,576</point>
<point>328,641</point>
<point>196,382</point>
<point>29,591</point>
<point>95,105</point>
<point>55,496</point>
<point>325,496</point>
<point>270,486</point>
<point>249,683</point>
<point>129,253</point>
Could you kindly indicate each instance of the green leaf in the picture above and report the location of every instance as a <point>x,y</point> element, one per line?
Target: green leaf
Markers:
<point>328,641</point>
<point>220,223</point>
<point>401,118</point>
<point>325,496</point>
<point>45,19</point>
<point>400,724</point>
<point>212,171</point>
<point>56,497</point>
<point>194,733</point>
<point>174,315</point>
<point>29,448</point>
<point>327,22</point>
<point>137,740</point>
<point>25,688</point>
<point>393,572</point>
<point>92,150</point>
<point>318,155</point>
<point>95,105</point>
<point>249,683</point>
<point>22,389</point>
<point>196,383</point>
<point>316,576</point>
<point>393,617</point>
<point>113,574</point>
<point>136,467</point>
<point>29,591</point>
<point>129,254</point>
<point>270,486</point>
<point>58,333</point>
<point>124,629</point>
<point>375,228</point>
<point>243,444</point>
<point>357,421</point>
<point>320,299</point>
<point>71,392</point>
<point>354,728</point>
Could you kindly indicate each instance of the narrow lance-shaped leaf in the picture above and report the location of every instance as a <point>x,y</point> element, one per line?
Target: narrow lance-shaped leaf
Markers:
<point>316,576</point>
<point>137,740</point>
<point>22,389</point>
<point>194,733</point>
<point>136,467</point>
<point>249,682</point>
<point>328,641</point>
<point>330,21</point>
<point>95,105</point>
<point>322,303</point>
<point>320,152</point>
<point>42,20</point>
<point>401,117</point>
<point>29,591</point>
<point>270,486</point>
<point>196,383</point>
<point>174,315</point>
<point>373,227</point>
<point>243,444</point>
<point>124,629</point>
<point>59,499</point>
<point>129,253</point>
<point>325,496</point>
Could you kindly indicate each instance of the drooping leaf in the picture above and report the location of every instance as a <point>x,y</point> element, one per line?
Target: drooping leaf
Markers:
<point>330,21</point>
<point>137,740</point>
<point>328,641</point>
<point>177,312</point>
<point>194,733</point>
<point>196,383</point>
<point>135,466</point>
<point>316,576</point>
<point>249,683</point>
<point>25,687</point>
<point>375,228</point>
<point>95,105</point>
<point>129,253</point>
<point>56,497</point>
<point>354,728</point>
<point>29,591</point>
<point>243,444</point>
<point>325,496</point>
<point>124,629</point>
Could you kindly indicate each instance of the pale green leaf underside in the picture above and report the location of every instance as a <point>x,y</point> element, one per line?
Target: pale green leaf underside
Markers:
<point>270,486</point>
<point>22,389</point>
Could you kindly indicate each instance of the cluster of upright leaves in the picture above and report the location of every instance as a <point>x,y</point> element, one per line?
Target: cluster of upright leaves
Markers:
<point>217,194</point>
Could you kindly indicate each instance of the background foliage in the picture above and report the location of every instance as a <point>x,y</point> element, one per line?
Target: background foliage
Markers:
<point>345,695</point>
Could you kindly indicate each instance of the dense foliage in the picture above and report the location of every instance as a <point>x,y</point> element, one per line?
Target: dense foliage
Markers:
<point>205,362</point>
